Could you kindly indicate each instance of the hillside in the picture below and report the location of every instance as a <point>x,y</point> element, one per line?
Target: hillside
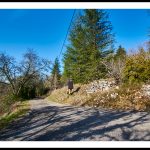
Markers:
<point>123,97</point>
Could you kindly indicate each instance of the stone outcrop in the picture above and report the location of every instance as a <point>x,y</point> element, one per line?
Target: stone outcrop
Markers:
<point>100,85</point>
<point>107,84</point>
<point>146,90</point>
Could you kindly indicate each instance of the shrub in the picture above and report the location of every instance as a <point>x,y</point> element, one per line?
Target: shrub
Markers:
<point>5,103</point>
<point>137,67</point>
<point>128,97</point>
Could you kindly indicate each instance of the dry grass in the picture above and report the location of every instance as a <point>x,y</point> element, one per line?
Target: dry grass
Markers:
<point>76,98</point>
<point>17,110</point>
<point>129,98</point>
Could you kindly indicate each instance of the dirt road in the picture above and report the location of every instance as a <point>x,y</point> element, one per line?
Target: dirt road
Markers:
<point>54,122</point>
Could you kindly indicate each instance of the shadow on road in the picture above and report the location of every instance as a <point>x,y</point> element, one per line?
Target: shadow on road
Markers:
<point>68,123</point>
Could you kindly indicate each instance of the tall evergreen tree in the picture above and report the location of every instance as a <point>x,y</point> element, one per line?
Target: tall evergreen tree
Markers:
<point>56,75</point>
<point>90,41</point>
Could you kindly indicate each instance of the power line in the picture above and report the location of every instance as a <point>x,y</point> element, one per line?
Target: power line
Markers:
<point>66,34</point>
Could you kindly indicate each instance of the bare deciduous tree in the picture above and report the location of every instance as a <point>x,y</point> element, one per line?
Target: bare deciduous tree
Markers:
<point>114,67</point>
<point>18,75</point>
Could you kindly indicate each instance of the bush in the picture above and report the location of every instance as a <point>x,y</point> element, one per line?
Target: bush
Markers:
<point>137,68</point>
<point>7,100</point>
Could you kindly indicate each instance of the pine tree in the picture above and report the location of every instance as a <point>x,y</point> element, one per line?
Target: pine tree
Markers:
<point>121,52</point>
<point>90,40</point>
<point>56,75</point>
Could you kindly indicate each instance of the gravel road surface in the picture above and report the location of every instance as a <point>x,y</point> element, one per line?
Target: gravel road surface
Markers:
<point>55,122</point>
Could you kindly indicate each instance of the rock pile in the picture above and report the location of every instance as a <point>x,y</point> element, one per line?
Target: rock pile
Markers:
<point>100,85</point>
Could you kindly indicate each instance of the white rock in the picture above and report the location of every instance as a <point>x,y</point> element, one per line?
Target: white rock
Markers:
<point>146,90</point>
<point>117,87</point>
<point>114,95</point>
<point>101,85</point>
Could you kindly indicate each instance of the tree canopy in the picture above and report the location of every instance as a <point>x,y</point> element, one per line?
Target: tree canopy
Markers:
<point>91,40</point>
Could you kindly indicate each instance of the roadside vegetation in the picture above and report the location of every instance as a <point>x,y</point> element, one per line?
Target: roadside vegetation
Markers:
<point>21,81</point>
<point>91,56</point>
<point>129,97</point>
<point>17,110</point>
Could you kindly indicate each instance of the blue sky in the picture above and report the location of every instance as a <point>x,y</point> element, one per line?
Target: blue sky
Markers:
<point>131,27</point>
<point>45,30</point>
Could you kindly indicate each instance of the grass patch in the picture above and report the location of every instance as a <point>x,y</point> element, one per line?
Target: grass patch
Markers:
<point>20,109</point>
<point>76,98</point>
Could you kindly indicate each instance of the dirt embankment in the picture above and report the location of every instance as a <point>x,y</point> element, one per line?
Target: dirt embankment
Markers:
<point>123,97</point>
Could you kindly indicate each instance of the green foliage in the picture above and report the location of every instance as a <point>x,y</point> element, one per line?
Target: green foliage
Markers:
<point>6,101</point>
<point>137,67</point>
<point>90,39</point>
<point>20,110</point>
<point>32,89</point>
<point>120,53</point>
<point>56,75</point>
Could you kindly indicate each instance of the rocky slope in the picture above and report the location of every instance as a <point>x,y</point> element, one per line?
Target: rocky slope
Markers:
<point>106,94</point>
